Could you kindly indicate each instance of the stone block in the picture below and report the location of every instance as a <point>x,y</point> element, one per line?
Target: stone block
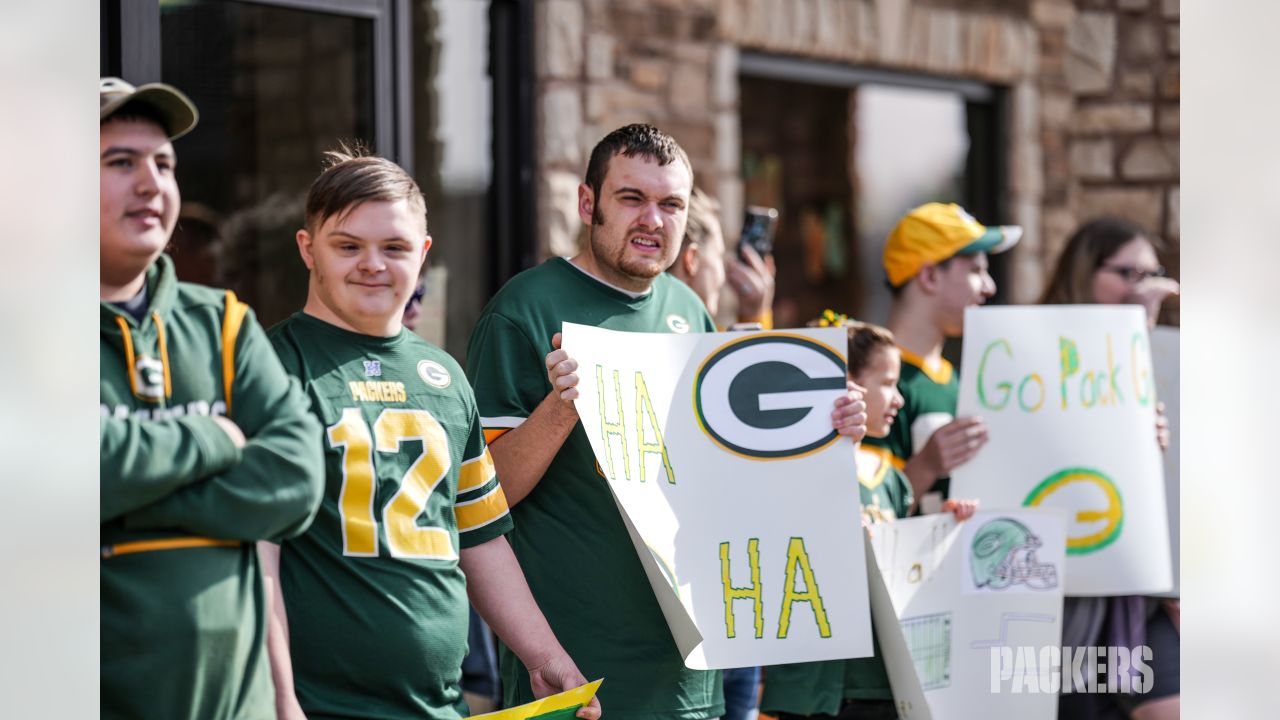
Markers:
<point>1141,44</point>
<point>1138,84</point>
<point>1150,159</point>
<point>1093,159</point>
<point>1091,52</point>
<point>601,48</point>
<point>724,85</point>
<point>560,122</point>
<point>648,74</point>
<point>1169,119</point>
<point>728,142</point>
<point>1109,117</point>
<point>1056,14</point>
<point>689,96</point>
<point>1171,39</point>
<point>1056,109</point>
<point>1171,83</point>
<point>1026,168</point>
<point>1134,5</point>
<point>1059,224</point>
<point>561,25</point>
<point>1169,8</point>
<point>558,213</point>
<point>1173,220</point>
<point>1139,205</point>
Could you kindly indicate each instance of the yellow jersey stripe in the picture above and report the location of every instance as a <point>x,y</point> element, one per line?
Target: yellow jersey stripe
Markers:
<point>139,546</point>
<point>164,354</point>
<point>476,472</point>
<point>130,368</point>
<point>231,321</point>
<point>940,373</point>
<point>885,453</point>
<point>478,513</point>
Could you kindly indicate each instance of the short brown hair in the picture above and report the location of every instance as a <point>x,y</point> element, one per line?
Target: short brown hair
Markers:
<point>864,340</point>
<point>1088,248</point>
<point>352,177</point>
<point>639,139</point>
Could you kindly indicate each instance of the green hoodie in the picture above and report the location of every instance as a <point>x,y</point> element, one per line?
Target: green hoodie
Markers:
<point>183,622</point>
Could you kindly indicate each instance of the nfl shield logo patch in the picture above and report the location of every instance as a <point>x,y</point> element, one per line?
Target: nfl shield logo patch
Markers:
<point>373,368</point>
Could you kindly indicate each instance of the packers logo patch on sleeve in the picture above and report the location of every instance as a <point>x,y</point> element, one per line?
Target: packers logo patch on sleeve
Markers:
<point>769,396</point>
<point>434,374</point>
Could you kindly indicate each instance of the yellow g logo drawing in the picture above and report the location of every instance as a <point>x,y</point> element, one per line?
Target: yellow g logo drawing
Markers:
<point>1099,509</point>
<point>768,397</point>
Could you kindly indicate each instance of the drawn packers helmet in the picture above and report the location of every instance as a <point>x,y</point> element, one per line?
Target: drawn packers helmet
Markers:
<point>1003,553</point>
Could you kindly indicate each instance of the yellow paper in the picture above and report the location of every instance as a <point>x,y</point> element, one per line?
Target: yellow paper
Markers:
<point>567,699</point>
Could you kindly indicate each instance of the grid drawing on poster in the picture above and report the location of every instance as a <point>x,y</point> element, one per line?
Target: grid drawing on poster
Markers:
<point>929,642</point>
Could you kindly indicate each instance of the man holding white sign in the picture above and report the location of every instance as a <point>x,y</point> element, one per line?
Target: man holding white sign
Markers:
<point>570,540</point>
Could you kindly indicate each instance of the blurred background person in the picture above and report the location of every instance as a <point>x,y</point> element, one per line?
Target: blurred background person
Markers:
<point>1113,261</point>
<point>704,266</point>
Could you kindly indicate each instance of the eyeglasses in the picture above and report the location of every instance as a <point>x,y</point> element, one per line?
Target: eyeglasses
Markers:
<point>1135,275</point>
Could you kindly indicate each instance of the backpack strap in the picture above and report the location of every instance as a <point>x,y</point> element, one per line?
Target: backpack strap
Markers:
<point>232,319</point>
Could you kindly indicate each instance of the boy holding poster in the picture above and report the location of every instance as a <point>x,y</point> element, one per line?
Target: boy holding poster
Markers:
<point>858,688</point>
<point>936,262</point>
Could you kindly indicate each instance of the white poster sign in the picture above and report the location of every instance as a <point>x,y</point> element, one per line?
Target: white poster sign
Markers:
<point>1068,395</point>
<point>969,615</point>
<point>740,498</point>
<point>1165,358</point>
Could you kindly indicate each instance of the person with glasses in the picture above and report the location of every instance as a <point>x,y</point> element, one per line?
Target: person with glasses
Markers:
<point>1113,261</point>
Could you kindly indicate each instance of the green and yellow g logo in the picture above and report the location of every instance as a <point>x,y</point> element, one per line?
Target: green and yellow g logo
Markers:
<point>1083,490</point>
<point>767,397</point>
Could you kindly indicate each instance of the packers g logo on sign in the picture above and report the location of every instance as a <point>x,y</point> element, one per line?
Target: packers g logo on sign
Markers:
<point>768,396</point>
<point>1095,499</point>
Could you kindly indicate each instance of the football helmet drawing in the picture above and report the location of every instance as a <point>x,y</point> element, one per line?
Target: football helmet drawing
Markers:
<point>1003,553</point>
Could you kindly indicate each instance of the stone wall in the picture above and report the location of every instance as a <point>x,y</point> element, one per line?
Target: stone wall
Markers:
<point>1093,89</point>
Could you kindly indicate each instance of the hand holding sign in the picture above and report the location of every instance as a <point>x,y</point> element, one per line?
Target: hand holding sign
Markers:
<point>850,416</point>
<point>561,373</point>
<point>559,675</point>
<point>953,445</point>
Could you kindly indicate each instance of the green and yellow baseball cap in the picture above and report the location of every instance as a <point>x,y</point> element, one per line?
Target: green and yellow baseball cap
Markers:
<point>934,232</point>
<point>175,109</point>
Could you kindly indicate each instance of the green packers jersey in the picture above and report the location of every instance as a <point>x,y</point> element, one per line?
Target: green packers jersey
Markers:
<point>376,600</point>
<point>820,687</point>
<point>569,538</point>
<point>930,394</point>
<point>181,596</point>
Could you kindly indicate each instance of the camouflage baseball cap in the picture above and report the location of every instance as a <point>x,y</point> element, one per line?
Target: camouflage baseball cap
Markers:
<point>175,109</point>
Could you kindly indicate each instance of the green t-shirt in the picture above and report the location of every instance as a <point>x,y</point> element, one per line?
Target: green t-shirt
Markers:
<point>182,621</point>
<point>820,687</point>
<point>376,600</point>
<point>930,395</point>
<point>569,538</point>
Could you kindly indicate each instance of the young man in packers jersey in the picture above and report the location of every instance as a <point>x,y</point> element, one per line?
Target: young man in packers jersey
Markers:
<point>413,519</point>
<point>569,534</point>
<point>206,445</point>
<point>936,262</point>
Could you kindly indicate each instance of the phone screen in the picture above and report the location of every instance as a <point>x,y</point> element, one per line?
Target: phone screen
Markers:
<point>757,230</point>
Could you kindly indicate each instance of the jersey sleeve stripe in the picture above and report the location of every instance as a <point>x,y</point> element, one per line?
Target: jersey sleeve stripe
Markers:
<point>508,422</point>
<point>482,511</point>
<point>476,471</point>
<point>494,434</point>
